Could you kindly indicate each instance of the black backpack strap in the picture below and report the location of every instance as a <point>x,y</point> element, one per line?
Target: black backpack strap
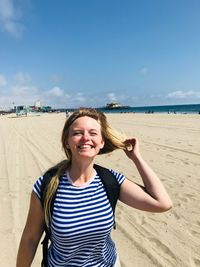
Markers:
<point>111,185</point>
<point>45,244</point>
<point>45,182</point>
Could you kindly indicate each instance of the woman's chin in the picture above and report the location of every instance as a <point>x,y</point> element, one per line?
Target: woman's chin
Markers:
<point>88,154</point>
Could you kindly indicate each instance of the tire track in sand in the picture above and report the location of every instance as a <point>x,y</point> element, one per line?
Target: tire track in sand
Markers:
<point>7,226</point>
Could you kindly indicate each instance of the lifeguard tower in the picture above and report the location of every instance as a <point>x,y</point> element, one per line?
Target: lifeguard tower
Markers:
<point>21,111</point>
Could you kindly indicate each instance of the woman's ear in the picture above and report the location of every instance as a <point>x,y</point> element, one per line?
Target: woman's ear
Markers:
<point>67,145</point>
<point>102,144</point>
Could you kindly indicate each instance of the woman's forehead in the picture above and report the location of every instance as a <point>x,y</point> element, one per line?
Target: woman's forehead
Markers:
<point>85,122</point>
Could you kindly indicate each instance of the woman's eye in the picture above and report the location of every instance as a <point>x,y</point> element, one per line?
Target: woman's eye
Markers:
<point>76,133</point>
<point>93,133</point>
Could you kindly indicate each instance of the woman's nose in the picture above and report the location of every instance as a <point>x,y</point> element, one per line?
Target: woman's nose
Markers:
<point>85,136</point>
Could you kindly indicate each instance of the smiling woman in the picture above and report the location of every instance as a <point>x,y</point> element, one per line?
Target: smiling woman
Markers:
<point>85,138</point>
<point>82,217</point>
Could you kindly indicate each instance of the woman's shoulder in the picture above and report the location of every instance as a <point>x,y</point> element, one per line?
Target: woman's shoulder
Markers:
<point>37,186</point>
<point>119,176</point>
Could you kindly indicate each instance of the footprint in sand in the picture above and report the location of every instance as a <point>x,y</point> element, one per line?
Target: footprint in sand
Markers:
<point>197,262</point>
<point>182,199</point>
<point>198,223</point>
<point>170,162</point>
<point>194,233</point>
<point>163,247</point>
<point>169,155</point>
<point>176,215</point>
<point>194,262</point>
<point>119,214</point>
<point>13,195</point>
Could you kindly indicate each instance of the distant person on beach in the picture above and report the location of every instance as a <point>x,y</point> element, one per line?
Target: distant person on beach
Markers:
<point>68,114</point>
<point>82,217</point>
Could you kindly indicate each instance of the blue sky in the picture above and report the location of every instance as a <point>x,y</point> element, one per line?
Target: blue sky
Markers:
<point>71,53</point>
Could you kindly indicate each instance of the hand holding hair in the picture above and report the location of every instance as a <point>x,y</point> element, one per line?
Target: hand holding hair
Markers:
<point>132,148</point>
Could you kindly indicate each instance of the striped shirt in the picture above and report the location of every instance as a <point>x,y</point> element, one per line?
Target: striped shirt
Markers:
<point>81,224</point>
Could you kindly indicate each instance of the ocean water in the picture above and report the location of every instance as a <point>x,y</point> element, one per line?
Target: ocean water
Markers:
<point>183,109</point>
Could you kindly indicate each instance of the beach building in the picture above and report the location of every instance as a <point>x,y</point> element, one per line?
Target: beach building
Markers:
<point>21,110</point>
<point>38,104</point>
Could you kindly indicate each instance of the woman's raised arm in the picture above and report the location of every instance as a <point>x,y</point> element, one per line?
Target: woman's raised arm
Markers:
<point>153,196</point>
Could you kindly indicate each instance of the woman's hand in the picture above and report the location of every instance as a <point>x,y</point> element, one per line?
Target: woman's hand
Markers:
<point>132,148</point>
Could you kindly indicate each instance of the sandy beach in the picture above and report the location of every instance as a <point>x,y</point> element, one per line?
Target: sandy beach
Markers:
<point>170,143</point>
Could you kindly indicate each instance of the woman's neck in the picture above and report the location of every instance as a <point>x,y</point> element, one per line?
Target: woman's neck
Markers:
<point>81,172</point>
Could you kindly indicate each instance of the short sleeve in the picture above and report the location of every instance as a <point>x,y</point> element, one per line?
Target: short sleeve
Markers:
<point>119,176</point>
<point>37,187</point>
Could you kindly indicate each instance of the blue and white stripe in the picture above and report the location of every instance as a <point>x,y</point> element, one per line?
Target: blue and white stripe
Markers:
<point>81,224</point>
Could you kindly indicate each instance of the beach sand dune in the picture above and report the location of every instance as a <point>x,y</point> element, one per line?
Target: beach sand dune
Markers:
<point>170,143</point>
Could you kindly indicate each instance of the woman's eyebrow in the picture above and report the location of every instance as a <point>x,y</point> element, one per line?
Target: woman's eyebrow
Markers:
<point>80,129</point>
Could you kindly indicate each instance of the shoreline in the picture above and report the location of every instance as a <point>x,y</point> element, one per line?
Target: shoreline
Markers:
<point>176,114</point>
<point>169,109</point>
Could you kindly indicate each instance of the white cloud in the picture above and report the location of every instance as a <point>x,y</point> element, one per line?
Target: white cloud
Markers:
<point>23,91</point>
<point>184,94</point>
<point>22,78</point>
<point>112,97</point>
<point>121,98</point>
<point>9,18</point>
<point>67,96</point>
<point>23,94</point>
<point>55,91</point>
<point>80,97</point>
<point>14,28</point>
<point>56,78</point>
<point>57,97</point>
<point>19,95</point>
<point>6,9</point>
<point>3,81</point>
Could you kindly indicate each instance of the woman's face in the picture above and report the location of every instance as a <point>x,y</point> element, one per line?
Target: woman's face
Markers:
<point>85,138</point>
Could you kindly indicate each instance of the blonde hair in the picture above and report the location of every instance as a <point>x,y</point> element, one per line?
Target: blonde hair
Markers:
<point>112,140</point>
